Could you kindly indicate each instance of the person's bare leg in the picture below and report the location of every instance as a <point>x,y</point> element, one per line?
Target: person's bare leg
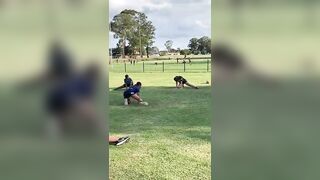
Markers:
<point>190,85</point>
<point>120,87</point>
<point>136,97</point>
<point>113,139</point>
<point>87,113</point>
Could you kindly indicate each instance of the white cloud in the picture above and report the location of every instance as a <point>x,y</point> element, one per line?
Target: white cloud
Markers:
<point>202,24</point>
<point>157,6</point>
<point>139,5</point>
<point>177,20</point>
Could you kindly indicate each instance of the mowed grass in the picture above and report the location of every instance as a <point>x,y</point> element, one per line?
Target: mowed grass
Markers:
<point>170,138</point>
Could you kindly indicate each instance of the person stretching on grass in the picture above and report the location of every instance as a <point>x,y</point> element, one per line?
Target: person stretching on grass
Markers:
<point>180,82</point>
<point>133,92</point>
<point>127,83</point>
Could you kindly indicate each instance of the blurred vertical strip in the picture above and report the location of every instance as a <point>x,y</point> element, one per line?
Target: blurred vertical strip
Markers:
<point>53,84</point>
<point>266,88</point>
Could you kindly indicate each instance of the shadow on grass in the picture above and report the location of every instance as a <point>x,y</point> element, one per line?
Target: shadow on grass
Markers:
<point>164,87</point>
<point>173,87</point>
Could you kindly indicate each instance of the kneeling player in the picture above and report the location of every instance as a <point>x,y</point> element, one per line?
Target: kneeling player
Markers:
<point>133,92</point>
<point>180,82</point>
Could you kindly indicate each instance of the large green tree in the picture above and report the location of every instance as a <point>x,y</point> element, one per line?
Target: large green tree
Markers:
<point>193,45</point>
<point>134,27</point>
<point>202,45</point>
<point>148,36</point>
<point>144,32</point>
<point>123,27</point>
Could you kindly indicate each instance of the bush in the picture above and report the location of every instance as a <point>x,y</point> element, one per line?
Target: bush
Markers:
<point>185,52</point>
<point>196,52</point>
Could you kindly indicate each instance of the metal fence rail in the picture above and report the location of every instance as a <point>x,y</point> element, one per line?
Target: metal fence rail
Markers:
<point>162,66</point>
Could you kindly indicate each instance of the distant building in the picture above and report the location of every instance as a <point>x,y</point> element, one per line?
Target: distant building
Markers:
<point>163,53</point>
<point>173,52</point>
<point>154,51</point>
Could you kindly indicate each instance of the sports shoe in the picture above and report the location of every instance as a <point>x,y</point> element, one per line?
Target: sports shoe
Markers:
<point>129,101</point>
<point>122,140</point>
<point>126,103</point>
<point>144,103</point>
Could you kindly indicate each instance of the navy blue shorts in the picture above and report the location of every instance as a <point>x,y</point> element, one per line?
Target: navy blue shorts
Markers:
<point>58,102</point>
<point>127,95</point>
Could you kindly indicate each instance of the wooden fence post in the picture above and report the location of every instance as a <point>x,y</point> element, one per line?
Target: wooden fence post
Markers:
<point>142,66</point>
<point>162,66</point>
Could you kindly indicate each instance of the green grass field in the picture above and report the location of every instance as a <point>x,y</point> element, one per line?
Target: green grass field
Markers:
<point>170,138</point>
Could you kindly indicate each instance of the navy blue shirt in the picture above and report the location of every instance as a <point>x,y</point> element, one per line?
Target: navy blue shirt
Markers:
<point>128,82</point>
<point>65,95</point>
<point>131,91</point>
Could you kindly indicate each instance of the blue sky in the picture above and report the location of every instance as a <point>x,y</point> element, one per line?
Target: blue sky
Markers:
<point>177,20</point>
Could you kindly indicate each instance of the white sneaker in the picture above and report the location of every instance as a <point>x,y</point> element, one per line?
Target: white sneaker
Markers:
<point>126,102</point>
<point>144,103</point>
<point>122,140</point>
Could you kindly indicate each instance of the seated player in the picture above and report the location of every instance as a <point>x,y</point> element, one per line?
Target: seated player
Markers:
<point>180,82</point>
<point>133,92</point>
<point>127,83</point>
<point>113,140</point>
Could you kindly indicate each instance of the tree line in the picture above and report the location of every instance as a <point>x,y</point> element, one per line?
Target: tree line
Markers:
<point>135,33</point>
<point>198,46</point>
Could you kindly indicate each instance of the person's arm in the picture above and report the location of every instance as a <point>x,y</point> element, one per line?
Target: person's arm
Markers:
<point>181,85</point>
<point>177,86</point>
<point>131,82</point>
<point>125,84</point>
